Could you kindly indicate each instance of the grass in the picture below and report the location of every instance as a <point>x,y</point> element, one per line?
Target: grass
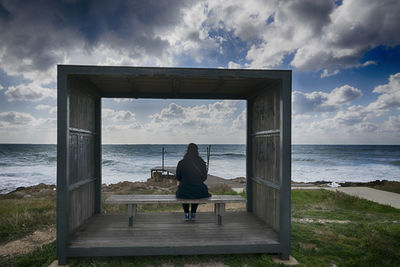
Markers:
<point>372,238</point>
<point>322,204</point>
<point>22,216</point>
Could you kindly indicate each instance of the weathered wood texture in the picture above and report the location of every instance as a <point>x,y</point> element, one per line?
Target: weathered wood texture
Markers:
<point>82,109</point>
<point>157,230</point>
<point>266,110</point>
<point>81,156</point>
<point>169,199</point>
<point>267,204</point>
<point>266,153</point>
<point>265,143</point>
<point>81,205</point>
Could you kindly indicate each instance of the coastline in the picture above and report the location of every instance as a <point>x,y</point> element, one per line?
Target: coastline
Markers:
<point>214,183</point>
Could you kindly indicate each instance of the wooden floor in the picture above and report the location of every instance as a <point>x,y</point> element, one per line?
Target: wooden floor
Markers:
<point>161,230</point>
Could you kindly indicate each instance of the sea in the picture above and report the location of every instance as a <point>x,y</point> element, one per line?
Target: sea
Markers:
<point>27,165</point>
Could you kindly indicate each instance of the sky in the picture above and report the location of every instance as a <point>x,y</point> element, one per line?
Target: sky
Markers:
<point>344,57</point>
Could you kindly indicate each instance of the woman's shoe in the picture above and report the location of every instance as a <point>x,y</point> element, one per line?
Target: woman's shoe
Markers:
<point>187,217</point>
<point>192,216</point>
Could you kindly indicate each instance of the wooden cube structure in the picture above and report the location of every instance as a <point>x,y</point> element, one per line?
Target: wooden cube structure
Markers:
<point>264,228</point>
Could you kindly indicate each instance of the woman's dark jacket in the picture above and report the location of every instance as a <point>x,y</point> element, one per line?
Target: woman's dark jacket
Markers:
<point>191,172</point>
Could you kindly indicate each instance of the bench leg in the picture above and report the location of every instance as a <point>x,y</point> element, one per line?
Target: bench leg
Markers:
<point>131,208</point>
<point>220,211</point>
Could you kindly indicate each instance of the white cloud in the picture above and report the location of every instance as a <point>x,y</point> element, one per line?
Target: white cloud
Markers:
<point>241,121</point>
<point>29,92</point>
<point>356,26</point>
<point>120,100</point>
<point>353,115</point>
<point>118,115</point>
<point>233,65</point>
<point>327,73</point>
<point>390,94</point>
<point>324,102</point>
<point>42,107</point>
<point>392,125</point>
<point>53,110</point>
<point>13,118</point>
<point>14,127</point>
<point>1,87</point>
<point>351,124</point>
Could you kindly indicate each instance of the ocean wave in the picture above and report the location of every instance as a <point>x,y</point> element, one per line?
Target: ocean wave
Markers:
<point>109,162</point>
<point>304,159</point>
<point>395,162</point>
<point>233,155</point>
<point>8,175</point>
<point>52,159</point>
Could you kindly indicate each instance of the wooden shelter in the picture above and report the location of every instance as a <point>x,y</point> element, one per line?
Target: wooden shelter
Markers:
<point>82,230</point>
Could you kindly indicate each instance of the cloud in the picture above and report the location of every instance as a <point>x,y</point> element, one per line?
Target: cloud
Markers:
<point>351,124</point>
<point>118,115</point>
<point>29,92</point>
<point>199,122</point>
<point>389,94</point>
<point>16,118</point>
<point>241,121</point>
<point>353,115</point>
<point>53,110</point>
<point>172,112</point>
<point>356,26</point>
<point>1,87</point>
<point>233,65</point>
<point>324,102</point>
<point>392,125</point>
<point>327,73</point>
<point>319,35</point>
<point>42,107</point>
<point>88,32</point>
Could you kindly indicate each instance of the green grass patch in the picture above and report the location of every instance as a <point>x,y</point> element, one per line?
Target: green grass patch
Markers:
<point>372,238</point>
<point>359,244</point>
<point>22,216</point>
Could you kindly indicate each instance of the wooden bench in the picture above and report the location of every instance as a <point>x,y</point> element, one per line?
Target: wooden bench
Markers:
<point>131,201</point>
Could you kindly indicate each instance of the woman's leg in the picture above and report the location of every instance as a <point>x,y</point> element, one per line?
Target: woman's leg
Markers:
<point>185,208</point>
<point>194,208</point>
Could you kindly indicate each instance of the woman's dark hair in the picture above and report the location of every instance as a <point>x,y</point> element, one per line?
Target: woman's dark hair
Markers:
<point>192,151</point>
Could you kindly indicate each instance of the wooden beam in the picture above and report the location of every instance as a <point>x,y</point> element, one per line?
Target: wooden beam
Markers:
<point>249,157</point>
<point>285,163</point>
<point>62,165</point>
<point>97,157</point>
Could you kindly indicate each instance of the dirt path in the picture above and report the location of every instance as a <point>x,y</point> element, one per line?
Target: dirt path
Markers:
<point>29,243</point>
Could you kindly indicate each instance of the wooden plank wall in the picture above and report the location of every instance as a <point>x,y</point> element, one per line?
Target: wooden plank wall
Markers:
<point>81,157</point>
<point>81,205</point>
<point>266,156</point>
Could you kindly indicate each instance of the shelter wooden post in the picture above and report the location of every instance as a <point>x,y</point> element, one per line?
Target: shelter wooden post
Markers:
<point>62,165</point>
<point>285,163</point>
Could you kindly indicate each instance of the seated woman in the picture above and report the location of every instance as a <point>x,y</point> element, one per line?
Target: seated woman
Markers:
<point>191,173</point>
